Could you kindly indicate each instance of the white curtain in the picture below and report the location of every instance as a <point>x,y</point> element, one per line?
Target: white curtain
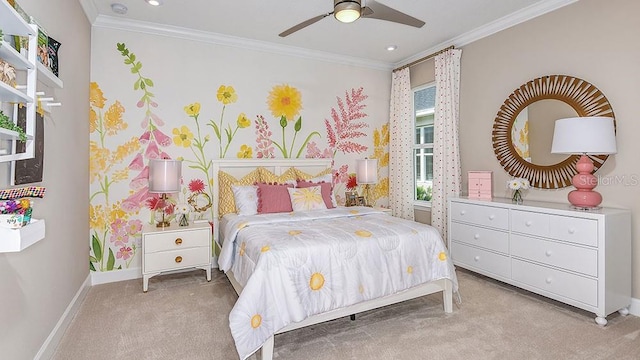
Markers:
<point>447,176</point>
<point>401,187</point>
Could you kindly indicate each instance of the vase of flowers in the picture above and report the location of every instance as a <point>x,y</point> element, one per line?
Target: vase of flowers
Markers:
<point>182,211</point>
<point>518,185</point>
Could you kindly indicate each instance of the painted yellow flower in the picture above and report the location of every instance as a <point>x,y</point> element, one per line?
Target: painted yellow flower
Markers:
<point>295,232</point>
<point>256,321</point>
<point>285,100</point>
<point>93,120</point>
<point>192,109</point>
<point>354,212</point>
<point>243,248</point>
<point>113,119</point>
<point>246,152</point>
<point>243,121</point>
<point>96,98</point>
<point>183,136</point>
<point>265,248</point>
<point>116,213</point>
<point>307,198</point>
<point>126,149</point>
<point>316,282</point>
<point>227,94</point>
<point>242,225</point>
<point>97,217</point>
<point>409,269</point>
<point>442,256</point>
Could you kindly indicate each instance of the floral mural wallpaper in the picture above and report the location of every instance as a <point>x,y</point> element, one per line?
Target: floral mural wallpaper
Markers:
<point>123,140</point>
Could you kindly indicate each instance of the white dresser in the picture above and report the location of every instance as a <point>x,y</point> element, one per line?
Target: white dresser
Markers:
<point>175,248</point>
<point>581,258</point>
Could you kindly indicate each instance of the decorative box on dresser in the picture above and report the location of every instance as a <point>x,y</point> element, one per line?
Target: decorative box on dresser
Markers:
<point>581,258</point>
<point>175,248</point>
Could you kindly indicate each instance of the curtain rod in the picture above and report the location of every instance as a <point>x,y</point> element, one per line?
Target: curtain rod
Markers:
<point>425,58</point>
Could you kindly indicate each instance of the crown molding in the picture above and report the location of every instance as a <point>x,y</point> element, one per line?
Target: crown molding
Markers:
<point>90,10</point>
<point>111,22</point>
<point>493,27</point>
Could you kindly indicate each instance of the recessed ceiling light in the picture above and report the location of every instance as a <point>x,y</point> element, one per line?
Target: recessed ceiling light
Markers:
<point>392,47</point>
<point>154,2</point>
<point>119,8</point>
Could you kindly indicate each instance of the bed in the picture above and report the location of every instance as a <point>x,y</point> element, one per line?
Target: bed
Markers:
<point>299,268</point>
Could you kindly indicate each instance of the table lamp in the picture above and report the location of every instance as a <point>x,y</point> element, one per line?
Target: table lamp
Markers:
<point>164,178</point>
<point>595,135</point>
<point>366,174</point>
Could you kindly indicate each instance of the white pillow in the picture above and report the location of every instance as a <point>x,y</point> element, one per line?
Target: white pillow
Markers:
<point>328,178</point>
<point>309,198</point>
<point>246,198</point>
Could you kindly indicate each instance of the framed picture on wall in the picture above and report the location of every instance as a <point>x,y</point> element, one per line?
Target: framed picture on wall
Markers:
<point>30,170</point>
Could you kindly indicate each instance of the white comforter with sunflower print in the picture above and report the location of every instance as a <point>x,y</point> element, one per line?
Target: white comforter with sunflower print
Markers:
<point>294,265</point>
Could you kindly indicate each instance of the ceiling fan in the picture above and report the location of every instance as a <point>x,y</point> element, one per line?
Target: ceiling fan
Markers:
<point>351,10</point>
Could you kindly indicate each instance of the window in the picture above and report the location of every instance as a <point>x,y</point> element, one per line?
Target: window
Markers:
<point>424,108</point>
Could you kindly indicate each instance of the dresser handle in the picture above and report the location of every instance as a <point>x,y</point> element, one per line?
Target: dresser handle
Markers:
<point>571,231</point>
<point>528,223</point>
<point>178,259</point>
<point>548,280</point>
<point>476,236</point>
<point>462,212</point>
<point>178,241</point>
<point>491,217</point>
<point>548,253</point>
<point>477,258</point>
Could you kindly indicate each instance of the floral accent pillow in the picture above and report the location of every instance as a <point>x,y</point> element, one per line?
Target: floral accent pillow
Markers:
<point>308,198</point>
<point>246,198</point>
<point>326,189</point>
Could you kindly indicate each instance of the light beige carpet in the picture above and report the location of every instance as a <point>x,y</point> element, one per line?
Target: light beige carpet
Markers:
<point>185,317</point>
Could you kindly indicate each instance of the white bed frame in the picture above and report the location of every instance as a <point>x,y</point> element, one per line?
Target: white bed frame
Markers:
<point>278,166</point>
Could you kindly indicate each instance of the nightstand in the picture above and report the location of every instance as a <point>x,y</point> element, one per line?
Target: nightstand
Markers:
<point>175,248</point>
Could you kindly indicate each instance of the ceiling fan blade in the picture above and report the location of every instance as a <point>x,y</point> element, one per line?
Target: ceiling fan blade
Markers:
<point>376,10</point>
<point>303,24</point>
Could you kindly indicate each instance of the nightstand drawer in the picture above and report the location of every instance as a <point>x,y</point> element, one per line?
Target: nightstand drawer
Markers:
<point>558,282</point>
<point>570,257</point>
<point>481,215</point>
<point>176,259</point>
<point>478,259</point>
<point>485,238</point>
<point>173,240</point>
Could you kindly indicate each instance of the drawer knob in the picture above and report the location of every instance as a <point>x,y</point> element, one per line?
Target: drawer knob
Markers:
<point>178,259</point>
<point>476,236</point>
<point>571,231</point>
<point>491,217</point>
<point>528,223</point>
<point>477,258</point>
<point>548,253</point>
<point>178,241</point>
<point>462,212</point>
<point>548,280</point>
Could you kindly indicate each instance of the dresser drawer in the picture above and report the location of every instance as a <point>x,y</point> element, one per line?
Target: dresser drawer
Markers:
<point>575,287</point>
<point>570,257</point>
<point>481,215</point>
<point>528,222</point>
<point>478,259</point>
<point>495,240</point>
<point>575,230</point>
<point>173,240</point>
<point>176,259</point>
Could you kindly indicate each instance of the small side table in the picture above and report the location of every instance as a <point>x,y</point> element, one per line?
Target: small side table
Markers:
<point>175,248</point>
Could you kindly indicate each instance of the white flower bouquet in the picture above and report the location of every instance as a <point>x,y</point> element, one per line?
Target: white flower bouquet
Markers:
<point>517,185</point>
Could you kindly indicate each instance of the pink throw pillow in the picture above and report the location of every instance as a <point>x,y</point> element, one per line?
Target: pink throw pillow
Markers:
<point>325,190</point>
<point>273,198</point>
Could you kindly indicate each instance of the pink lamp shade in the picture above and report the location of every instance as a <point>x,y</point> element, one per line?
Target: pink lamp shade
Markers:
<point>164,175</point>
<point>594,135</point>
<point>367,171</point>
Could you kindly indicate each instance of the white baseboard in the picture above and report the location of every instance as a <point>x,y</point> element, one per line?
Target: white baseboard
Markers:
<point>634,309</point>
<point>105,277</point>
<point>51,343</point>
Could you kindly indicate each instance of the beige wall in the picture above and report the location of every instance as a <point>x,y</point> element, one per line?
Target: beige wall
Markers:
<point>37,284</point>
<point>592,39</point>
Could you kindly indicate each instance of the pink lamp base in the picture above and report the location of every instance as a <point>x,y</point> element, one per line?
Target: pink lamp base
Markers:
<point>584,181</point>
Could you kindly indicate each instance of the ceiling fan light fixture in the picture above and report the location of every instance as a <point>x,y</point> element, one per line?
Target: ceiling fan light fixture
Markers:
<point>346,11</point>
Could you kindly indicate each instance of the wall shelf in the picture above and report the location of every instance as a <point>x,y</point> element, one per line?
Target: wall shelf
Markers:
<point>15,240</point>
<point>47,77</point>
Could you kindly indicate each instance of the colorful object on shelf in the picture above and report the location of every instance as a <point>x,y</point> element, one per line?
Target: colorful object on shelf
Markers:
<point>518,185</point>
<point>12,221</point>
<point>30,191</point>
<point>15,213</point>
<point>480,184</point>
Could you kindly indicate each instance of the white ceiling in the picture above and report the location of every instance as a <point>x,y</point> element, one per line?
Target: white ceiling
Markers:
<point>258,22</point>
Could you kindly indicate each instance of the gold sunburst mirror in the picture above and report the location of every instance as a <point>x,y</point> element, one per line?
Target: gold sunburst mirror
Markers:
<point>578,96</point>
